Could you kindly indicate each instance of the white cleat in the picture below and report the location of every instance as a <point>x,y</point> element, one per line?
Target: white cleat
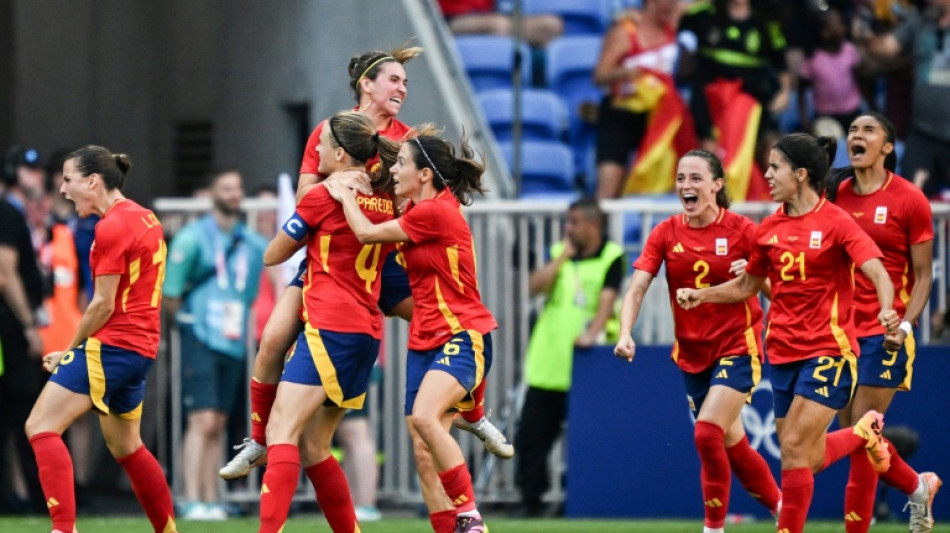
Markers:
<point>495,441</point>
<point>251,455</point>
<point>921,505</point>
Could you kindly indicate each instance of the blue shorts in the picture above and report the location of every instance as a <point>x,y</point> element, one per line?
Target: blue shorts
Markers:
<point>209,379</point>
<point>879,368</point>
<point>339,362</point>
<point>826,379</point>
<point>395,285</point>
<point>113,377</point>
<point>466,357</point>
<point>301,276</point>
<point>739,372</point>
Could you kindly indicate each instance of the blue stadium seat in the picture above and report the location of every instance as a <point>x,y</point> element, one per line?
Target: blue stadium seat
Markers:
<point>581,17</point>
<point>489,60</point>
<point>543,116</point>
<point>569,72</point>
<point>547,168</point>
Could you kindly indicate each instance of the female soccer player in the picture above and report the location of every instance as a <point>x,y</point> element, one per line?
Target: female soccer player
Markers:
<point>897,216</point>
<point>329,369</point>
<point>379,84</point>
<point>450,349</point>
<point>110,354</point>
<point>719,350</point>
<point>808,249</point>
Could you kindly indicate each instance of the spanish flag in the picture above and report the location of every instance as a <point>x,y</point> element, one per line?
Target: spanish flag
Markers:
<point>669,134</point>
<point>736,115</point>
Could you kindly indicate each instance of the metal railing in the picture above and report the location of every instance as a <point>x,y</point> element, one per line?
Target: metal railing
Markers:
<point>511,237</point>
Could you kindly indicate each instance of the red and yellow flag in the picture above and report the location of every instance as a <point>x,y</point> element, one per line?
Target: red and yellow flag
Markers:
<point>669,134</point>
<point>736,115</point>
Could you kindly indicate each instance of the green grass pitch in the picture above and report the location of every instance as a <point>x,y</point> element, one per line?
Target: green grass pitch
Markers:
<point>313,523</point>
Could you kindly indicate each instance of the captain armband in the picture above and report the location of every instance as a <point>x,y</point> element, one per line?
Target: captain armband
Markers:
<point>296,227</point>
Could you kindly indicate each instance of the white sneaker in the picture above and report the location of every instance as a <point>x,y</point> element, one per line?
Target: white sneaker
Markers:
<point>921,505</point>
<point>495,441</point>
<point>251,455</point>
<point>368,513</point>
<point>214,512</point>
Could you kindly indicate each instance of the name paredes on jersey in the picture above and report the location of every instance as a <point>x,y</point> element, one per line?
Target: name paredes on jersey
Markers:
<point>375,203</point>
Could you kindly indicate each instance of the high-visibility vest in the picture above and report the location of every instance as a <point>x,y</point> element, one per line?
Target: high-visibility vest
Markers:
<point>62,306</point>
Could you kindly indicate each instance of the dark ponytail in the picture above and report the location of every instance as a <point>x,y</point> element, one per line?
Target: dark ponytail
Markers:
<point>815,155</point>
<point>462,174</point>
<point>93,159</point>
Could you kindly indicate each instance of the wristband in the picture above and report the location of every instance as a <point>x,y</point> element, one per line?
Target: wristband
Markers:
<point>905,327</point>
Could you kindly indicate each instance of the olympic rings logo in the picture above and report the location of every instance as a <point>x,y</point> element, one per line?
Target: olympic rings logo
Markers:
<point>759,423</point>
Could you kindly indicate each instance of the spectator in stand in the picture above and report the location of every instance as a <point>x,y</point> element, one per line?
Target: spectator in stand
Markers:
<point>484,17</point>
<point>927,39</point>
<point>830,72</point>
<point>733,40</point>
<point>635,42</point>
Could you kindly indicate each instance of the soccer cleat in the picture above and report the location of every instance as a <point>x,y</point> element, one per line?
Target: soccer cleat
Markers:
<point>470,524</point>
<point>495,441</point>
<point>368,513</point>
<point>869,427</point>
<point>251,455</point>
<point>921,511</point>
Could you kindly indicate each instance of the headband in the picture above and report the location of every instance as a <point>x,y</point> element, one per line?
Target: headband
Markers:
<point>371,65</point>
<point>431,164</point>
<point>336,138</point>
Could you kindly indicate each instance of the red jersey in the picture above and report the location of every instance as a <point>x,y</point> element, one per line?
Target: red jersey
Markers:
<point>440,261</point>
<point>342,283</point>
<point>696,258</point>
<point>129,242</point>
<point>810,260</point>
<point>895,216</point>
<point>311,159</point>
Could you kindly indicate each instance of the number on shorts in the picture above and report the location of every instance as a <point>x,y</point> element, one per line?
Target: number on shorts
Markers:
<point>824,363</point>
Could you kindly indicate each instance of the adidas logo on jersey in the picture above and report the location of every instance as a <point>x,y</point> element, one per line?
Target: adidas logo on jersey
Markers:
<point>773,240</point>
<point>444,361</point>
<point>885,375</point>
<point>722,374</point>
<point>822,391</point>
<point>678,248</point>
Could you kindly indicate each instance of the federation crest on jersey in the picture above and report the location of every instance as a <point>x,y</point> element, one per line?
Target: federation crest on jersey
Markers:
<point>880,214</point>
<point>815,240</point>
<point>722,246</point>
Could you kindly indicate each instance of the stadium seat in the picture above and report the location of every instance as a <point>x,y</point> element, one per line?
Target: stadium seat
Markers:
<point>569,72</point>
<point>581,17</point>
<point>543,116</point>
<point>547,168</point>
<point>490,60</point>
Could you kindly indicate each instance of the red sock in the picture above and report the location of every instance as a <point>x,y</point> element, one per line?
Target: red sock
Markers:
<point>150,487</point>
<point>278,486</point>
<point>798,486</point>
<point>443,521</point>
<point>457,483</point>
<point>754,474</point>
<point>262,400</point>
<point>715,475</point>
<point>478,396</point>
<point>859,493</point>
<point>56,477</point>
<point>333,495</point>
<point>841,443</point>
<point>900,475</point>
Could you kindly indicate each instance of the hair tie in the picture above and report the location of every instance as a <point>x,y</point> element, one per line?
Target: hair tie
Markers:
<point>371,65</point>
<point>431,164</point>
<point>376,137</point>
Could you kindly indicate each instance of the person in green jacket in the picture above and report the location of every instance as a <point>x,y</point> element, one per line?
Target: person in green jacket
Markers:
<point>581,281</point>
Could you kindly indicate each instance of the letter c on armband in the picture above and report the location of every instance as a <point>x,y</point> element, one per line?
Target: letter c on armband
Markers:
<point>296,227</point>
